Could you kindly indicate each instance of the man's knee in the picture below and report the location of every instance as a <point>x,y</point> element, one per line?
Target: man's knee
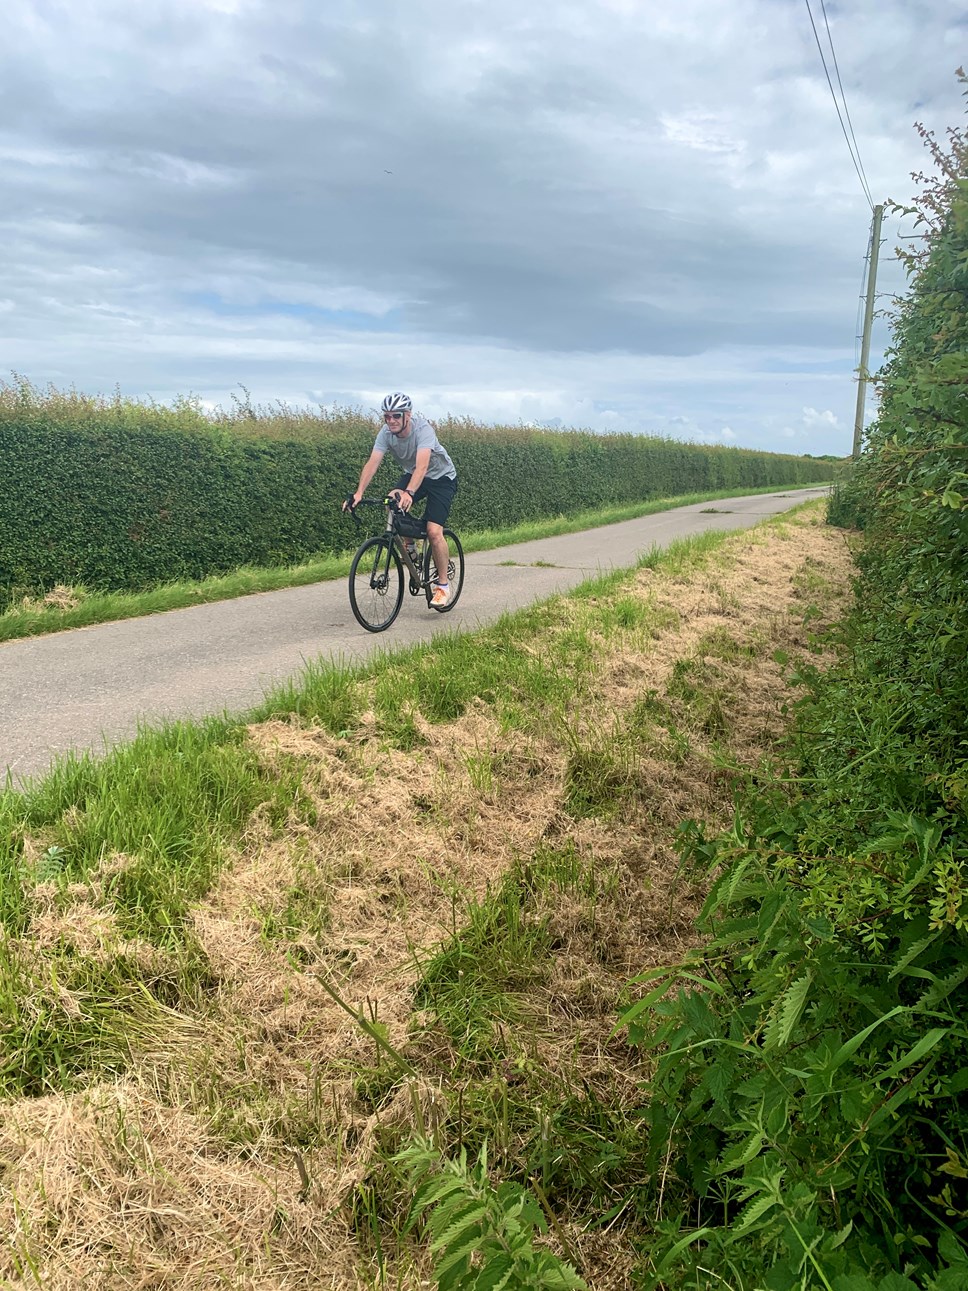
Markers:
<point>434,530</point>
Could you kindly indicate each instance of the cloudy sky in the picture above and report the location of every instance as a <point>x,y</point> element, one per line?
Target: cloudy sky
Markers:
<point>621,214</point>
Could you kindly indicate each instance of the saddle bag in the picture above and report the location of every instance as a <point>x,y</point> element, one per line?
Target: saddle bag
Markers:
<point>410,527</point>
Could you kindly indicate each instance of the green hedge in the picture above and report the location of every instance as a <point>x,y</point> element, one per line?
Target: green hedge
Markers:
<point>124,496</point>
<point>810,1082</point>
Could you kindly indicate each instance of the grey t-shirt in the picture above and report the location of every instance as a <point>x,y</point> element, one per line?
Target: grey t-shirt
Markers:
<point>404,450</point>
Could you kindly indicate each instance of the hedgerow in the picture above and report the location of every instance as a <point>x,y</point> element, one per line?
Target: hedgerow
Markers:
<point>120,495</point>
<point>810,1100</point>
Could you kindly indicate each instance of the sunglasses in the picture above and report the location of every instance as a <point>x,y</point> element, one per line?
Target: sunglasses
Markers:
<point>393,416</point>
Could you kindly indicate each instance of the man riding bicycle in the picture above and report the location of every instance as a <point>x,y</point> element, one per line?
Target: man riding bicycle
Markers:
<point>428,473</point>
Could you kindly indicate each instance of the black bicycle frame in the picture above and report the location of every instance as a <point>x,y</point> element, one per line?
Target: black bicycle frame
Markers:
<point>395,539</point>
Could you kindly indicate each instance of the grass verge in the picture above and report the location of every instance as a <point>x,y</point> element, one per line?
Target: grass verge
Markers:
<point>471,846</point>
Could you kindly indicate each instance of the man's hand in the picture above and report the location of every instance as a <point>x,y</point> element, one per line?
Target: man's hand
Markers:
<point>402,498</point>
<point>350,503</point>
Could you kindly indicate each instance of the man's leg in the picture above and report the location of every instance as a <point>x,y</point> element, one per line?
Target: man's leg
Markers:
<point>440,495</point>
<point>438,545</point>
<point>404,483</point>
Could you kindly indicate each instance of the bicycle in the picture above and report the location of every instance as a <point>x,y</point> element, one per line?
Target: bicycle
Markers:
<point>376,574</point>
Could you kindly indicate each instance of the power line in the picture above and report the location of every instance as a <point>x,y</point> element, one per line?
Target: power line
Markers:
<point>833,52</point>
<point>855,157</point>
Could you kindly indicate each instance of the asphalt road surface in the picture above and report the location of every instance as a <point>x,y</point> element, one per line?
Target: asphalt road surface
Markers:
<point>93,687</point>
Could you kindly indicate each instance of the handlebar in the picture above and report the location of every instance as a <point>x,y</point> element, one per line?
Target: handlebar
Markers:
<point>390,503</point>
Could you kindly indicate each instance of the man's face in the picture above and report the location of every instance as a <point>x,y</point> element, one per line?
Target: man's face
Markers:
<point>397,423</point>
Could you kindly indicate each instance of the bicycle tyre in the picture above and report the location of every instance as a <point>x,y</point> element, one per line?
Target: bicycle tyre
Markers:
<point>376,584</point>
<point>455,572</point>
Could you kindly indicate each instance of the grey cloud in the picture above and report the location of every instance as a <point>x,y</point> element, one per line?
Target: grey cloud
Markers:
<point>539,199</point>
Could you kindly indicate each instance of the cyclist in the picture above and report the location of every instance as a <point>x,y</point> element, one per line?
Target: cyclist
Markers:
<point>428,472</point>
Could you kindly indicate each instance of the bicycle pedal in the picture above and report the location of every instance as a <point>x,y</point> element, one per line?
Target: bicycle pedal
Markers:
<point>415,588</point>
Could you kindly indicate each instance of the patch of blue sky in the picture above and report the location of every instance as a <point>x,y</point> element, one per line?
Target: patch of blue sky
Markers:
<point>345,319</point>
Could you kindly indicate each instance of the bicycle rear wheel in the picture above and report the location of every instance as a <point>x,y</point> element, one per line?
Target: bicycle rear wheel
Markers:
<point>376,584</point>
<point>455,572</point>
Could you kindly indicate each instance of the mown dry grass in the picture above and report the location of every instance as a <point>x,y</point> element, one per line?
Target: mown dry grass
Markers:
<point>234,1150</point>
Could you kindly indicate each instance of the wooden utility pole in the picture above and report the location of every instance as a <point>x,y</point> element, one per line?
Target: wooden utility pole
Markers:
<point>863,376</point>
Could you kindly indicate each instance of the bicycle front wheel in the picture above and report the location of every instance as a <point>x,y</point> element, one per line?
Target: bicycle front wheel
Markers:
<point>455,571</point>
<point>376,584</point>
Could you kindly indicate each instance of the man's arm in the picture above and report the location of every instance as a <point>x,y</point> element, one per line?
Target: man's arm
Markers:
<point>370,468</point>
<point>419,471</point>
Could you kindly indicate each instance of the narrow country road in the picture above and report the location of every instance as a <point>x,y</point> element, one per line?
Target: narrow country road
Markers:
<point>91,687</point>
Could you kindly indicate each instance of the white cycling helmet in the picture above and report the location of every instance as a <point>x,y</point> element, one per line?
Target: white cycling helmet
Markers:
<point>397,403</point>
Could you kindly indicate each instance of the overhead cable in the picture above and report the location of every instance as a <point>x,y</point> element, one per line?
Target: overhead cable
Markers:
<point>860,162</point>
<point>852,148</point>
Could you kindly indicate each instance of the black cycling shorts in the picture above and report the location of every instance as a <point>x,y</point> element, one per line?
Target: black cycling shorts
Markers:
<point>439,495</point>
